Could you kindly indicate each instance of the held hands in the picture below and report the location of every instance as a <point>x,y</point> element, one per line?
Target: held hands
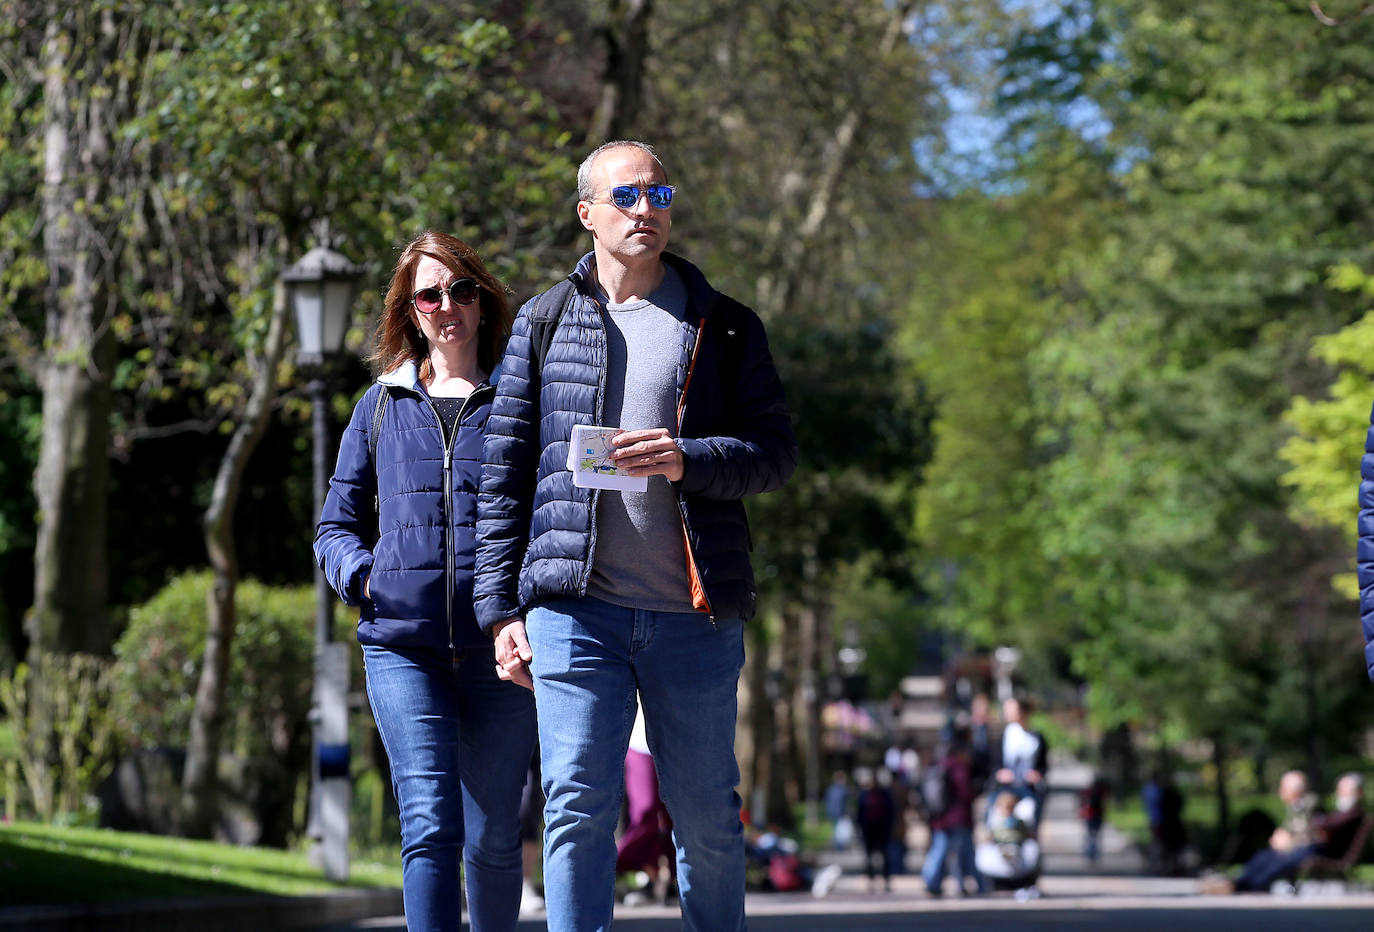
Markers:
<point>649,452</point>
<point>513,652</point>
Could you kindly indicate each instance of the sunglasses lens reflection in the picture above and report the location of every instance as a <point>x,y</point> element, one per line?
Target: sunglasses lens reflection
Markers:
<point>463,291</point>
<point>626,196</point>
<point>429,300</point>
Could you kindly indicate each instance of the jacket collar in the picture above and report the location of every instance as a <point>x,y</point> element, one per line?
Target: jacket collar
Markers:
<point>407,376</point>
<point>700,295</point>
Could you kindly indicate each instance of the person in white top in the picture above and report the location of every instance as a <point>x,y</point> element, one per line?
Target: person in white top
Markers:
<point>1024,755</point>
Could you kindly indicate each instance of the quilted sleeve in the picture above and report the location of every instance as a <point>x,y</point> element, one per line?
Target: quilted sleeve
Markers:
<point>761,452</point>
<point>510,462</point>
<point>349,518</point>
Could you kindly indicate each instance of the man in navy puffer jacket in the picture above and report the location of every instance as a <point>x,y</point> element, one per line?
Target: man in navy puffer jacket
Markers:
<point>596,595</point>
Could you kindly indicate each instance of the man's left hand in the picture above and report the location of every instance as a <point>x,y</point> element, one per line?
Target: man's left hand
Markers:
<point>650,452</point>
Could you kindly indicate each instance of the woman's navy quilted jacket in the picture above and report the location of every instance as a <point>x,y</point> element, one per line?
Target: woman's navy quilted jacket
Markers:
<point>536,533</point>
<point>421,568</point>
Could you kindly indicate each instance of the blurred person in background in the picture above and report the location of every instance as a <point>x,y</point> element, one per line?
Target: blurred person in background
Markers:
<point>1025,754</point>
<point>1291,843</point>
<point>876,814</point>
<point>951,827</point>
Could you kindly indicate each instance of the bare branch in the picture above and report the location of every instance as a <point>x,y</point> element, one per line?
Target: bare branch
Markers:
<point>1330,21</point>
<point>160,431</point>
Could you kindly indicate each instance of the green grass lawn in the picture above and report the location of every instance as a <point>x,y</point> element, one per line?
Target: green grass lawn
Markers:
<point>43,864</point>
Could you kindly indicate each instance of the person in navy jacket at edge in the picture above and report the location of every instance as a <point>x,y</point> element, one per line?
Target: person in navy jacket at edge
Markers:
<point>1364,553</point>
<point>598,595</point>
<point>457,737</point>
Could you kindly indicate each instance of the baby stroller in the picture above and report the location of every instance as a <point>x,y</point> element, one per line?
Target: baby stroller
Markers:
<point>1011,857</point>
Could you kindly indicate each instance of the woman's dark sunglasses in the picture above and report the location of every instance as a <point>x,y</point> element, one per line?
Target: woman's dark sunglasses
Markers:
<point>626,196</point>
<point>428,300</point>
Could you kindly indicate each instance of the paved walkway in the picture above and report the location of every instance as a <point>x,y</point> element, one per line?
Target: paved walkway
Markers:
<point>1114,893</point>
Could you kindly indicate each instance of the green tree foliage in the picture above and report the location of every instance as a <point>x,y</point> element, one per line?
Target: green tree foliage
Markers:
<point>248,87</point>
<point>972,328</point>
<point>1162,343</point>
<point>221,134</point>
<point>789,127</point>
<point>799,196</point>
<point>1328,432</point>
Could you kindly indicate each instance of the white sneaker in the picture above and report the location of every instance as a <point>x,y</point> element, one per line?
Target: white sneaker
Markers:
<point>825,881</point>
<point>530,900</point>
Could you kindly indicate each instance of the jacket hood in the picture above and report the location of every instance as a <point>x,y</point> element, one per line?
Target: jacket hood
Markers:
<point>406,375</point>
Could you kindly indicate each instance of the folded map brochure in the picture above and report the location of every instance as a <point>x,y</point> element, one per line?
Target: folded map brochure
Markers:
<point>589,458</point>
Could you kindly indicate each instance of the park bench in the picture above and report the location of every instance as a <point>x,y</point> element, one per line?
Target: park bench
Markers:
<point>1338,868</point>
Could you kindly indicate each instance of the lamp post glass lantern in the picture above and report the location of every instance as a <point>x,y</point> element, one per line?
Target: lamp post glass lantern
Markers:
<point>321,288</point>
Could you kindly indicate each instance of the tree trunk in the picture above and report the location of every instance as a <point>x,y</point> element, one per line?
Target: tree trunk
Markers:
<point>1223,800</point>
<point>809,710</point>
<point>622,87</point>
<point>71,484</point>
<point>1313,606</point>
<point>751,729</point>
<point>787,767</point>
<point>200,780</point>
<point>795,246</point>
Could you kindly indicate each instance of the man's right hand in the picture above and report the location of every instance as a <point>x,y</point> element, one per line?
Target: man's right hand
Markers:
<point>513,652</point>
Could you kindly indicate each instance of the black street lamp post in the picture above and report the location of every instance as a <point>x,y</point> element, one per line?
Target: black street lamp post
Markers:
<point>321,288</point>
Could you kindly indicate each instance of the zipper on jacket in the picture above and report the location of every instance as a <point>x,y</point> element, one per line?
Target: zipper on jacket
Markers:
<point>450,571</point>
<point>600,409</point>
<point>695,584</point>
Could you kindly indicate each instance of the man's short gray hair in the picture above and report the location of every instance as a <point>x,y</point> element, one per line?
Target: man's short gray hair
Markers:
<point>584,171</point>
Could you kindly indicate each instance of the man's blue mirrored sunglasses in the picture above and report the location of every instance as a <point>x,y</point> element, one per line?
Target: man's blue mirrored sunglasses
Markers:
<point>626,196</point>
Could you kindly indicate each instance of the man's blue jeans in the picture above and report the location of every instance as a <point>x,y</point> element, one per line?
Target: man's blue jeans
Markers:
<point>589,659</point>
<point>1268,865</point>
<point>941,841</point>
<point>459,742</point>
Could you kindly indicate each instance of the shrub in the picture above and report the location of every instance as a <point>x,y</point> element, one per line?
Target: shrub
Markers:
<point>59,731</point>
<point>268,690</point>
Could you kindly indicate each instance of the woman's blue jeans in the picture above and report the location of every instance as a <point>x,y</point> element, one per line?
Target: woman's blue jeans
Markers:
<point>590,657</point>
<point>459,741</point>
